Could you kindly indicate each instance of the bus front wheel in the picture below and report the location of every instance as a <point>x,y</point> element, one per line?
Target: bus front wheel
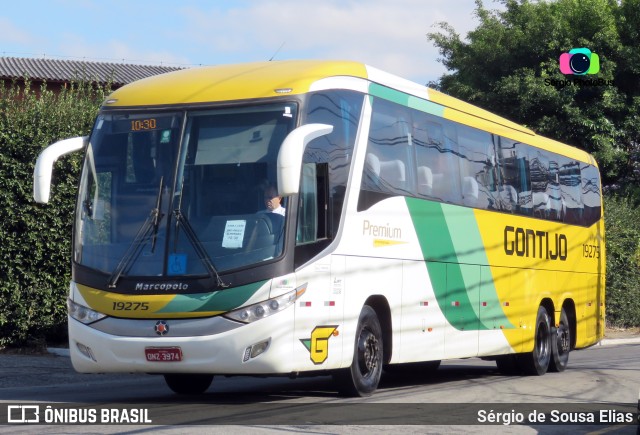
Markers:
<point>362,378</point>
<point>536,363</point>
<point>188,383</point>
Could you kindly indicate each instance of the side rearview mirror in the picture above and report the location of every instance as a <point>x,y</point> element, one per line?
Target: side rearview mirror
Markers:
<point>290,156</point>
<point>44,165</point>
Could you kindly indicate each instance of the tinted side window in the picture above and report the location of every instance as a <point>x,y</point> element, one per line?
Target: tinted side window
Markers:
<point>436,150</point>
<point>513,183</point>
<point>413,153</point>
<point>591,194</point>
<point>342,110</point>
<point>523,183</point>
<point>478,170</point>
<point>387,162</point>
<point>553,188</point>
<point>541,187</point>
<point>571,191</point>
<point>388,167</point>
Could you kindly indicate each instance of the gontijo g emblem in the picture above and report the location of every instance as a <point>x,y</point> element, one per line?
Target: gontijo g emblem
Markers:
<point>318,344</point>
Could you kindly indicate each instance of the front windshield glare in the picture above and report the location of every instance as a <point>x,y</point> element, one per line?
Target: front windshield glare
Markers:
<point>158,201</point>
<point>128,171</point>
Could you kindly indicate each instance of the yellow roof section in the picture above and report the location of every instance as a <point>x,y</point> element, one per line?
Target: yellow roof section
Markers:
<point>230,82</point>
<point>468,114</point>
<point>470,109</point>
<point>263,79</point>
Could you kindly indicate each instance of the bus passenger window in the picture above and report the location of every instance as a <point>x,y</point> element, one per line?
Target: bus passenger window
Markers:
<point>341,109</point>
<point>553,190</point>
<point>570,190</point>
<point>540,199</point>
<point>591,194</point>
<point>436,160</point>
<point>511,182</point>
<point>477,168</point>
<point>388,152</point>
<point>523,179</point>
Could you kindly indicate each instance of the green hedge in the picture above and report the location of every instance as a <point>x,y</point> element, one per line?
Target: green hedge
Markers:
<point>622,234</point>
<point>36,239</point>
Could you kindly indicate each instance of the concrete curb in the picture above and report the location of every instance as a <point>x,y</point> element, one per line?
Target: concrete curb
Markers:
<point>614,341</point>
<point>59,351</point>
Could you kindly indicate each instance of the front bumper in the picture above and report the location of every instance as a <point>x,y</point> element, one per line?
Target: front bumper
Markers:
<point>223,351</point>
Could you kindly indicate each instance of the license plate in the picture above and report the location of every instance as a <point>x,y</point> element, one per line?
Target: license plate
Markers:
<point>163,354</point>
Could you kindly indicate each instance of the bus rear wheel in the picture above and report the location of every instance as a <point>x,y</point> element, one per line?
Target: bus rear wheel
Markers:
<point>188,383</point>
<point>560,344</point>
<point>536,363</point>
<point>362,378</point>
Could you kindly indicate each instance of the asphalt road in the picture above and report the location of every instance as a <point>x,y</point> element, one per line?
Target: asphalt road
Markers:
<point>603,375</point>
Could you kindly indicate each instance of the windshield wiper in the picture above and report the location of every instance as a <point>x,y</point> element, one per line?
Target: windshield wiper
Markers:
<point>148,229</point>
<point>156,217</point>
<point>197,245</point>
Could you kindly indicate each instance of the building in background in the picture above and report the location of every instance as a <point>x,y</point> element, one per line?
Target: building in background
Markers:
<point>57,73</point>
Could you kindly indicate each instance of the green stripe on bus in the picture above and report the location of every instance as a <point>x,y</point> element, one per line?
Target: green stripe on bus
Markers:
<point>449,234</point>
<point>406,99</point>
<point>223,300</point>
<point>426,106</point>
<point>389,94</point>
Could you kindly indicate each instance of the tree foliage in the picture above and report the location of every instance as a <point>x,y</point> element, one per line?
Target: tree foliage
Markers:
<point>509,65</point>
<point>35,248</point>
<point>622,230</point>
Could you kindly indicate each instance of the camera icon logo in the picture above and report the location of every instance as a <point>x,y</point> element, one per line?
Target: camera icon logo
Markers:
<point>579,61</point>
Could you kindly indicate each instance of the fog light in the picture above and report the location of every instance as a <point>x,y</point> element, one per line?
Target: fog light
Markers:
<point>259,348</point>
<point>86,351</point>
<point>255,350</point>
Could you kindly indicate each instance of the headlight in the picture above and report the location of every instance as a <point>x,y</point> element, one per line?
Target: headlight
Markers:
<point>83,314</point>
<point>266,308</point>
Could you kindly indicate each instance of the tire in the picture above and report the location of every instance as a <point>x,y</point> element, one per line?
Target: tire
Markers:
<point>536,363</point>
<point>560,344</point>
<point>188,383</point>
<point>362,378</point>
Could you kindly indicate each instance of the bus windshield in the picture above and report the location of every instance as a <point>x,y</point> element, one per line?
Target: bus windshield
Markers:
<point>182,193</point>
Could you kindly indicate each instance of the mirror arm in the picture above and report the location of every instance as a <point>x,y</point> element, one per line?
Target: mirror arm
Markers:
<point>291,153</point>
<point>44,165</point>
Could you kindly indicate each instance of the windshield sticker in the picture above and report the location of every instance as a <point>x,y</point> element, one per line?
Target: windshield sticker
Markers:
<point>165,136</point>
<point>177,264</point>
<point>234,234</point>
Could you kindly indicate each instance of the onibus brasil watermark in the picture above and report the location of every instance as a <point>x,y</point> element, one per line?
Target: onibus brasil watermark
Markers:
<point>55,415</point>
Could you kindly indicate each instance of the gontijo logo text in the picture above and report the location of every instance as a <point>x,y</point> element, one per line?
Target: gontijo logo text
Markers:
<point>579,61</point>
<point>527,242</point>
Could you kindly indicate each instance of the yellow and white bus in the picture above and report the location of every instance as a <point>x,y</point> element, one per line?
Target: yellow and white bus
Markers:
<point>416,228</point>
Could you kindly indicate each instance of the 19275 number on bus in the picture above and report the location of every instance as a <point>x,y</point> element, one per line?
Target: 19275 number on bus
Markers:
<point>591,251</point>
